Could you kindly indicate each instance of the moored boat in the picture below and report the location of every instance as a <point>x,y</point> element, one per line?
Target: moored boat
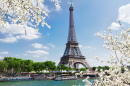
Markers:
<point>59,78</point>
<point>19,78</point>
<point>2,79</point>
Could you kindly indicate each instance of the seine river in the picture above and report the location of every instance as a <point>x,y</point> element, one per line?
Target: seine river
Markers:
<point>78,82</point>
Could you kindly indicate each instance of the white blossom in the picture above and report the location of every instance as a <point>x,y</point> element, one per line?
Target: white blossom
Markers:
<point>120,45</point>
<point>23,11</point>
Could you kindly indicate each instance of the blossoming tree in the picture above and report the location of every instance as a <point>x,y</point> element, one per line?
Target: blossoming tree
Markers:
<point>22,11</point>
<point>120,58</point>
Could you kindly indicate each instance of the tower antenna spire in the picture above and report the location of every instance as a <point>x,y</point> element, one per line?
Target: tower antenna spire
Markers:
<point>71,3</point>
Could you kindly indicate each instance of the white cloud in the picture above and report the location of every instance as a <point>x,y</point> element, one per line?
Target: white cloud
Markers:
<point>17,55</point>
<point>96,62</point>
<point>31,25</point>
<point>124,16</point>
<point>115,26</point>
<point>61,54</point>
<point>80,46</point>
<point>70,2</point>
<point>100,32</point>
<point>52,45</point>
<point>48,34</point>
<point>39,46</point>
<point>58,8</point>
<point>4,52</point>
<point>124,13</point>
<point>44,7</point>
<point>13,33</point>
<point>106,55</point>
<point>25,54</point>
<point>87,47</point>
<point>36,56</point>
<point>38,53</point>
<point>1,57</point>
<point>45,58</point>
<point>9,39</point>
<point>102,57</point>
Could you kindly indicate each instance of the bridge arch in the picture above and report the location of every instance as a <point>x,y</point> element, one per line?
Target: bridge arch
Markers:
<point>76,64</point>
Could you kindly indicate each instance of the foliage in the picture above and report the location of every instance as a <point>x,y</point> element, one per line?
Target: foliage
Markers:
<point>122,70</point>
<point>99,68</point>
<point>83,69</point>
<point>13,63</point>
<point>10,61</point>
<point>28,65</point>
<point>94,68</point>
<point>59,67</point>
<point>68,68</point>
<point>3,64</point>
<point>50,65</point>
<point>39,66</point>
<point>19,64</point>
<point>63,67</point>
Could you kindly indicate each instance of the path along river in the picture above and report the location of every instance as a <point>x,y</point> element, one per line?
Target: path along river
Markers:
<point>77,82</point>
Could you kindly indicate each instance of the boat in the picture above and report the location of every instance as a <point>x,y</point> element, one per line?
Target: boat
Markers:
<point>59,78</point>
<point>19,78</point>
<point>2,79</point>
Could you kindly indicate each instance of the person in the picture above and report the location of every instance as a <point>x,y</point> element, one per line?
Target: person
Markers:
<point>16,74</point>
<point>29,75</point>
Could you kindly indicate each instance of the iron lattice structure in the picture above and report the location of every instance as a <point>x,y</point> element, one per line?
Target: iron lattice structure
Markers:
<point>72,56</point>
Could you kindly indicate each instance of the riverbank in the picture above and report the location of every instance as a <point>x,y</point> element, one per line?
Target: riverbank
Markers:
<point>6,79</point>
<point>40,76</point>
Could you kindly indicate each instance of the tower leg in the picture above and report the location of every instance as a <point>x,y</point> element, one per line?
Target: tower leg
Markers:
<point>76,66</point>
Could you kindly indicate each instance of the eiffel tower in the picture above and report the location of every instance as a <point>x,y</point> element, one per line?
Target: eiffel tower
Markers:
<point>72,56</point>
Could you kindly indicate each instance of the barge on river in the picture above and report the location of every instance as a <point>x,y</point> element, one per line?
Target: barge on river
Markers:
<point>59,78</point>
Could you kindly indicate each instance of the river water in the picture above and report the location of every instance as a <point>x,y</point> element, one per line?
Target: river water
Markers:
<point>78,82</point>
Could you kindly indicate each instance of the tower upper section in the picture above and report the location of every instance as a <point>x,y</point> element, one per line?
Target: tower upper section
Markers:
<point>71,35</point>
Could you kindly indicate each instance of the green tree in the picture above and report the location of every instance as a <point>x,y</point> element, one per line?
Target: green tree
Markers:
<point>8,58</point>
<point>17,65</point>
<point>106,68</point>
<point>50,65</point>
<point>10,61</point>
<point>83,69</point>
<point>28,65</point>
<point>62,67</point>
<point>59,67</point>
<point>13,62</point>
<point>39,66</point>
<point>99,67</point>
<point>94,68</point>
<point>3,64</point>
<point>68,68</point>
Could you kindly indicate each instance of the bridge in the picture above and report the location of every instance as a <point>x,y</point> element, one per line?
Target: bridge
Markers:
<point>86,73</point>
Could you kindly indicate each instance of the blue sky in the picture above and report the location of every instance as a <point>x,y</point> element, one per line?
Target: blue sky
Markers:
<point>90,17</point>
